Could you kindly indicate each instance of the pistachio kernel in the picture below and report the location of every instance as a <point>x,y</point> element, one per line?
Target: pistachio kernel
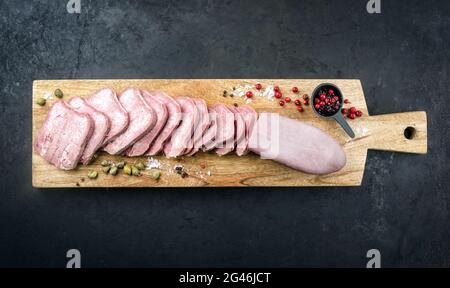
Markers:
<point>41,101</point>
<point>113,170</point>
<point>127,169</point>
<point>59,93</point>
<point>135,171</point>
<point>92,175</point>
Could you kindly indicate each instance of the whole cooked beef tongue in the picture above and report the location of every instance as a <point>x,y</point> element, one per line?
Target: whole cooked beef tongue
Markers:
<point>63,136</point>
<point>106,101</point>
<point>142,120</point>
<point>296,144</point>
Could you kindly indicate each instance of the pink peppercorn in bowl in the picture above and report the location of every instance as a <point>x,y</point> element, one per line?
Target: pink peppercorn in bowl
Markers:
<point>327,102</point>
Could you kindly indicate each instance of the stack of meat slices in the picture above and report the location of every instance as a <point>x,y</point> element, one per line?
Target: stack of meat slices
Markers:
<point>139,122</point>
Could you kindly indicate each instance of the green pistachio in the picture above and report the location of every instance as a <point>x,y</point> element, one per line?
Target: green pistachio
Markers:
<point>41,101</point>
<point>135,171</point>
<point>140,166</point>
<point>156,174</point>
<point>120,164</point>
<point>113,170</point>
<point>92,175</point>
<point>106,169</point>
<point>105,163</point>
<point>127,169</point>
<point>58,93</point>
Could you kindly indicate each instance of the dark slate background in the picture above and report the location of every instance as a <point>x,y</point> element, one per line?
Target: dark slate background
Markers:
<point>402,207</point>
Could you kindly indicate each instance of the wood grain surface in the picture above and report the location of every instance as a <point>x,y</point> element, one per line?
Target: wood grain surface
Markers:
<point>382,132</point>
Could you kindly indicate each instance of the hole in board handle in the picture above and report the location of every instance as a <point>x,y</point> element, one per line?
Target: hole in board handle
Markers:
<point>409,132</point>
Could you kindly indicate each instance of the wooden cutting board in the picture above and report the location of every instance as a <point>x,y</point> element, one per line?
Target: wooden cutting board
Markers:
<point>381,132</point>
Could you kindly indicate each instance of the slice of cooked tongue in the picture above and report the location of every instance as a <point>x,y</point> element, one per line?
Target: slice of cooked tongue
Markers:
<point>106,101</point>
<point>143,144</point>
<point>142,120</point>
<point>101,127</point>
<point>296,144</point>
<point>62,138</point>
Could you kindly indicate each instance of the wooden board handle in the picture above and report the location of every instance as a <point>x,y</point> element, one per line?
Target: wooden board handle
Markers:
<point>400,132</point>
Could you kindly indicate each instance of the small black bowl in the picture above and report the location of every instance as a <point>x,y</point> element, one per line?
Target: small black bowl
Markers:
<point>336,114</point>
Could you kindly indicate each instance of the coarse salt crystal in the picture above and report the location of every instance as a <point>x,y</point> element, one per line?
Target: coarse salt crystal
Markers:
<point>153,163</point>
<point>47,95</point>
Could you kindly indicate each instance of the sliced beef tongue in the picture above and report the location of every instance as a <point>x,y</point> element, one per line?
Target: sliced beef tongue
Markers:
<point>250,116</point>
<point>296,144</point>
<point>143,144</point>
<point>64,135</point>
<point>101,127</point>
<point>239,133</point>
<point>142,120</point>
<point>225,128</point>
<point>173,120</point>
<point>202,125</point>
<point>181,138</point>
<point>210,134</point>
<point>106,101</point>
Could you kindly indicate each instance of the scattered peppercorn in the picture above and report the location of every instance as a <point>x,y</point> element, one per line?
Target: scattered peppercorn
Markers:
<point>258,86</point>
<point>297,102</point>
<point>278,94</point>
<point>306,102</point>
<point>352,116</point>
<point>249,94</point>
<point>344,110</point>
<point>281,103</point>
<point>358,113</point>
<point>352,110</point>
<point>346,101</point>
<point>305,96</point>
<point>178,168</point>
<point>276,88</point>
<point>295,89</point>
<point>300,109</point>
<point>287,99</point>
<point>235,105</point>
